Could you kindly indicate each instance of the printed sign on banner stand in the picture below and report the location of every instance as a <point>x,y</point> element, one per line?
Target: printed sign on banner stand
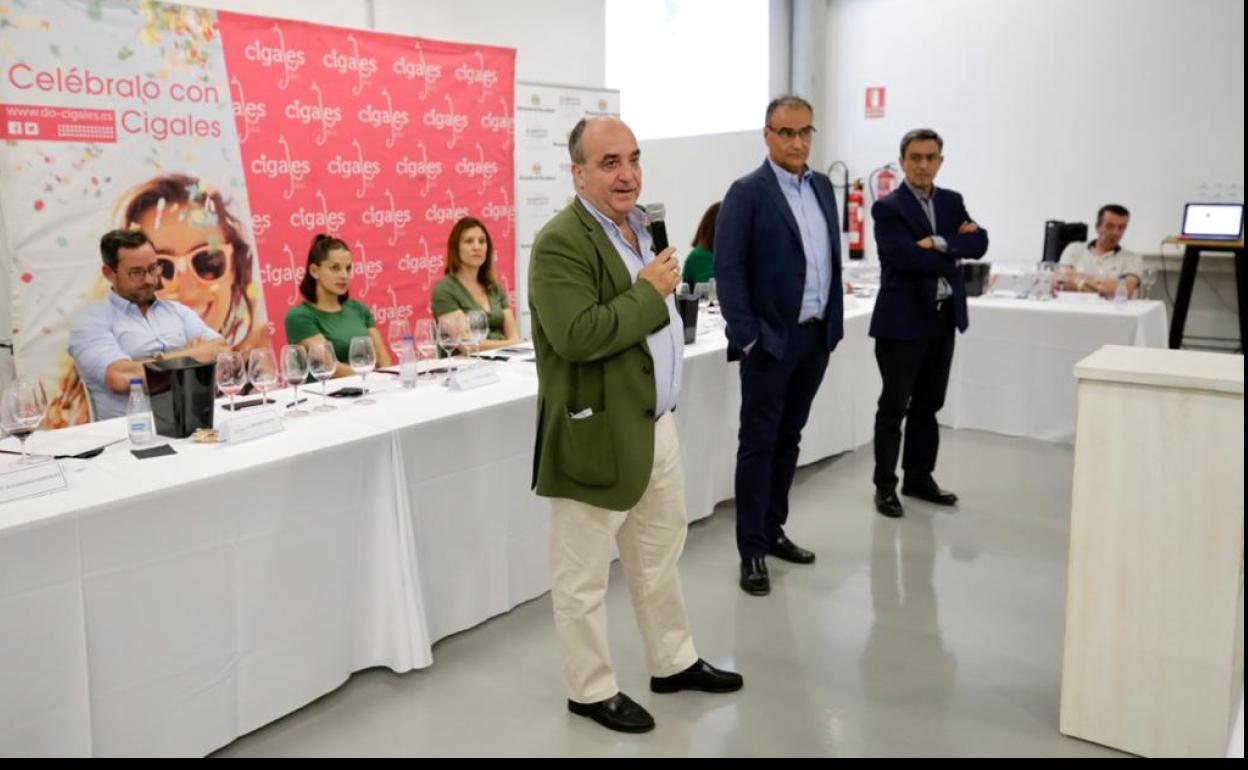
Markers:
<point>545,115</point>
<point>232,140</point>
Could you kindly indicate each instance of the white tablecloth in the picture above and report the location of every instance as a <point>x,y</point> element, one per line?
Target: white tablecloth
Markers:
<point>1012,369</point>
<point>166,606</point>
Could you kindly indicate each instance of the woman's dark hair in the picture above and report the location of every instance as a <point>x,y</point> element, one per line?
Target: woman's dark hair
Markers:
<point>485,275</point>
<point>322,245</point>
<point>183,190</point>
<point>705,237</point>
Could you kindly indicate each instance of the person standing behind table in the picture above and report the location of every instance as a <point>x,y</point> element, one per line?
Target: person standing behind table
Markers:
<point>328,314</point>
<point>609,344</point>
<point>778,279</point>
<point>700,264</point>
<point>921,232</point>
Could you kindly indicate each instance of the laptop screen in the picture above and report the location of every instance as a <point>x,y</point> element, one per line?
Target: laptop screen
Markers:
<point>1213,221</point>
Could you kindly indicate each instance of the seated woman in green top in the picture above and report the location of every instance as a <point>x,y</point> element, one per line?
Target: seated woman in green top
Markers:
<point>700,264</point>
<point>469,284</point>
<point>328,313</point>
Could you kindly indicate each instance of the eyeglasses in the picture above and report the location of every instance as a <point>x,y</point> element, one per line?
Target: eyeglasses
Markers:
<point>139,273</point>
<point>207,263</point>
<point>788,134</point>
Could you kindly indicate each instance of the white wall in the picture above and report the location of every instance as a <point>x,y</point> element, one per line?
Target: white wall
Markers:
<point>1050,108</point>
<point>688,174</point>
<point>556,41</point>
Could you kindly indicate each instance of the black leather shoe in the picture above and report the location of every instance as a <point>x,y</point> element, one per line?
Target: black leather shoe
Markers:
<point>619,712</point>
<point>887,504</point>
<point>927,489</point>
<point>700,676</point>
<point>754,578</point>
<point>786,549</point>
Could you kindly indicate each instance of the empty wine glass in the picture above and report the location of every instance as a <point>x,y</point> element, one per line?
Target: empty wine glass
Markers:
<point>397,330</point>
<point>478,328</point>
<point>426,342</point>
<point>262,371</point>
<point>22,407</point>
<point>231,374</point>
<point>1147,280</point>
<point>323,364</point>
<point>363,359</point>
<point>294,365</point>
<point>450,332</point>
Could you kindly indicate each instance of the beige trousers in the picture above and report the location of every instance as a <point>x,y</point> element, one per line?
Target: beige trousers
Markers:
<point>650,537</point>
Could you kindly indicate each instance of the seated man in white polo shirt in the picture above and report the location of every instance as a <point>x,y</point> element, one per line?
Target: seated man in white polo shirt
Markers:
<point>1097,265</point>
<point>110,340</point>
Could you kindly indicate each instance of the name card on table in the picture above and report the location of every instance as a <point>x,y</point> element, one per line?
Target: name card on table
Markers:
<point>252,424</point>
<point>469,377</point>
<point>21,481</point>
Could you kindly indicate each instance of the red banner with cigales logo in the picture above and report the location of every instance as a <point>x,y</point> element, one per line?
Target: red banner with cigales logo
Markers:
<point>381,140</point>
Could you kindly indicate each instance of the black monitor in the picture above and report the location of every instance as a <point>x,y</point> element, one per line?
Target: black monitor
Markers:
<point>1057,235</point>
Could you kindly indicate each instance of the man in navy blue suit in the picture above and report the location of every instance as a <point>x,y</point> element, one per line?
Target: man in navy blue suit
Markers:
<point>922,233</point>
<point>778,278</point>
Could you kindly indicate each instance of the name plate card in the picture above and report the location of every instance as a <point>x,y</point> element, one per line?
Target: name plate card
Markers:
<point>22,481</point>
<point>252,424</point>
<point>469,377</point>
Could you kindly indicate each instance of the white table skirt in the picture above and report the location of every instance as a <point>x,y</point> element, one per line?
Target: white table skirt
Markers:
<point>1012,369</point>
<point>167,606</point>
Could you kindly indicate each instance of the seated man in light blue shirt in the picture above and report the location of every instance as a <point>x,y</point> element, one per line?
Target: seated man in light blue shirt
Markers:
<point>111,340</point>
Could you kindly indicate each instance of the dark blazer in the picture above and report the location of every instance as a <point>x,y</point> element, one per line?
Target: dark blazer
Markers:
<point>903,309</point>
<point>760,265</point>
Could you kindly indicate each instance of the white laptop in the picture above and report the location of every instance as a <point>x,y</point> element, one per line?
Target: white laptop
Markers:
<point>1213,221</point>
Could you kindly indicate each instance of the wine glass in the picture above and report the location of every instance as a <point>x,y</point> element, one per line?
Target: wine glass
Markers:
<point>22,407</point>
<point>262,371</point>
<point>1147,281</point>
<point>231,374</point>
<point>478,328</point>
<point>398,329</point>
<point>426,342</point>
<point>450,332</point>
<point>294,370</point>
<point>323,364</point>
<point>363,359</point>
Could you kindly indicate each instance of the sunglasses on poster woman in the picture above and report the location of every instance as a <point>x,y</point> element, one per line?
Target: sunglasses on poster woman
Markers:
<point>207,263</point>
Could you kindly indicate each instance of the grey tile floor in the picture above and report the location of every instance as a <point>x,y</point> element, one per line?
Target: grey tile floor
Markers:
<point>939,634</point>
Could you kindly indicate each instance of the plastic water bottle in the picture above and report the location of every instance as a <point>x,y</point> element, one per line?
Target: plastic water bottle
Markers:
<point>1120,293</point>
<point>409,363</point>
<point>139,421</point>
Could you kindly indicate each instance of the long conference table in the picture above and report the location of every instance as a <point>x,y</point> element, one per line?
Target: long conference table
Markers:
<point>167,606</point>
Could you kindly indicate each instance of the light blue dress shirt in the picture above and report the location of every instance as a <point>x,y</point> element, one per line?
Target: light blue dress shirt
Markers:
<point>943,289</point>
<point>816,245</point>
<point>116,330</point>
<point>667,345</point>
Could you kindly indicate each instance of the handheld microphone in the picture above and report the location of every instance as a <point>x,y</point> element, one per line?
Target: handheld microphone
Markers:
<point>658,230</point>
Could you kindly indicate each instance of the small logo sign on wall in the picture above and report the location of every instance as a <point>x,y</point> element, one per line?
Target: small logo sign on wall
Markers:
<point>875,102</point>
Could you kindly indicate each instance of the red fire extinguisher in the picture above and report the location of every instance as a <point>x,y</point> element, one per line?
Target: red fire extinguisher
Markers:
<point>857,222</point>
<point>883,181</point>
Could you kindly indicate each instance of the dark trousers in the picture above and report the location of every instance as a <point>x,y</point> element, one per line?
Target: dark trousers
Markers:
<point>916,376</point>
<point>775,402</point>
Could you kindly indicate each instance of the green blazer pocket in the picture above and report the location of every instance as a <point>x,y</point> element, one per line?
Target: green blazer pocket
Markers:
<point>586,453</point>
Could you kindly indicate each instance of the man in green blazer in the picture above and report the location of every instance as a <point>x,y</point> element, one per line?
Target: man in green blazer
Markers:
<point>609,348</point>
